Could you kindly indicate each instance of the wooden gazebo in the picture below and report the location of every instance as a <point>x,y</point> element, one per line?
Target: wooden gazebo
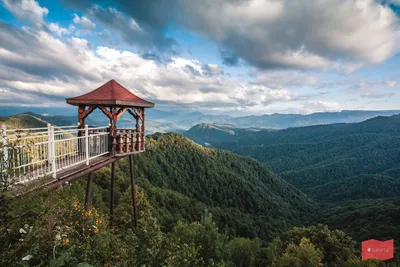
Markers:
<point>114,100</point>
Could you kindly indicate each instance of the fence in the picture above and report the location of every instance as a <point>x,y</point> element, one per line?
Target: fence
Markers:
<point>28,154</point>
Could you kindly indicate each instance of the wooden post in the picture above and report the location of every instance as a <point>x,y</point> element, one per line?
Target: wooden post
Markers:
<point>134,209</point>
<point>137,134</point>
<point>81,126</point>
<point>88,191</point>
<point>143,128</point>
<point>114,130</point>
<point>112,195</point>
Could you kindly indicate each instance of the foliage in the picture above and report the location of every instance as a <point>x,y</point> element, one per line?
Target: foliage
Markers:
<point>315,155</point>
<point>210,178</point>
<point>245,252</point>
<point>336,247</point>
<point>303,254</point>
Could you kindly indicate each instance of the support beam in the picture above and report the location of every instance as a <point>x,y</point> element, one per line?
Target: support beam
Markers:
<point>132,113</point>
<point>88,191</point>
<point>138,113</point>
<point>106,112</point>
<point>87,112</point>
<point>133,192</point>
<point>121,112</point>
<point>112,195</point>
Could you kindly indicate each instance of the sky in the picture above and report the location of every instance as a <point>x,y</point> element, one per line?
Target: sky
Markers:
<point>235,57</point>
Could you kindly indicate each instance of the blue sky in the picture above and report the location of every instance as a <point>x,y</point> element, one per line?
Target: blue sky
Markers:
<point>214,56</point>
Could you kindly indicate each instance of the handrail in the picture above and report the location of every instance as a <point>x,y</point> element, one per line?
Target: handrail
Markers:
<point>36,153</point>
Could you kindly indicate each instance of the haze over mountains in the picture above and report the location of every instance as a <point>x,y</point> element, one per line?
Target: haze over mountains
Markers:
<point>182,120</point>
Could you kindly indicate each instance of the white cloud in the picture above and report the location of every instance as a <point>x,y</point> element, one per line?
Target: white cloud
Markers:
<point>27,10</point>
<point>66,67</point>
<point>319,106</point>
<point>300,34</point>
<point>374,89</point>
<point>391,83</point>
<point>84,23</point>
<point>57,29</point>
<point>339,35</point>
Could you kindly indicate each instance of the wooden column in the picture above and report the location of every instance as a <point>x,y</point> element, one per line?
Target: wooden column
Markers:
<point>143,128</point>
<point>112,195</point>
<point>114,130</point>
<point>88,192</point>
<point>133,192</point>
<point>137,134</point>
<point>81,126</point>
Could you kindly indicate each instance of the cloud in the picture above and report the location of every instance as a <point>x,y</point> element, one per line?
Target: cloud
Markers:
<point>38,53</point>
<point>33,62</point>
<point>319,106</point>
<point>331,34</point>
<point>126,29</point>
<point>285,79</point>
<point>375,89</point>
<point>27,10</point>
<point>84,23</point>
<point>57,29</point>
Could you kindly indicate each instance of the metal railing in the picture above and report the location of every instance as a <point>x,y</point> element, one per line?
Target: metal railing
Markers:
<point>28,154</point>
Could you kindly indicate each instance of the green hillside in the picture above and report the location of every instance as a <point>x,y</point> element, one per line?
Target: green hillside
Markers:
<point>195,206</point>
<point>315,155</point>
<point>241,192</point>
<point>23,121</point>
<point>364,219</point>
<point>356,187</point>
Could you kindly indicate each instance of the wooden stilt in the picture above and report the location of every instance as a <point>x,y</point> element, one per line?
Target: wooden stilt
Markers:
<point>88,191</point>
<point>134,210</point>
<point>112,196</point>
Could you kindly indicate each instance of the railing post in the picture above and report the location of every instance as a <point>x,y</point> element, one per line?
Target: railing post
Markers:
<point>110,139</point>
<point>52,145</point>
<point>87,143</point>
<point>49,153</point>
<point>5,150</point>
<point>4,138</point>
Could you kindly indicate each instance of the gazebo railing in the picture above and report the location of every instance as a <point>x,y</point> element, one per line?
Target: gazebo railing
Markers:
<point>128,141</point>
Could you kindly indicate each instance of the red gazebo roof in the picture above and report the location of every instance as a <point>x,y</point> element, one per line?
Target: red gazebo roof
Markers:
<point>110,94</point>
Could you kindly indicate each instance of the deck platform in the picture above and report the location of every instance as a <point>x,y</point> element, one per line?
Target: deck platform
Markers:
<point>70,174</point>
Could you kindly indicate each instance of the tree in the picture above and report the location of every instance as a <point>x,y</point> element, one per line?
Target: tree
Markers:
<point>305,254</point>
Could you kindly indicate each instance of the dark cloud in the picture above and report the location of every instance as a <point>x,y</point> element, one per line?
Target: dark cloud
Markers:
<point>129,25</point>
<point>300,34</point>
<point>40,61</point>
<point>229,58</point>
<point>151,56</point>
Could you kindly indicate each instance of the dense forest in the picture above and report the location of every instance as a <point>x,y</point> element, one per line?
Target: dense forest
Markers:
<point>312,156</point>
<point>350,170</point>
<point>199,207</point>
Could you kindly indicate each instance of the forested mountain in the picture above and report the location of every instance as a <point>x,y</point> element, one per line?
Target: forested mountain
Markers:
<point>351,170</point>
<point>316,155</point>
<point>233,186</point>
<point>180,183</point>
<point>23,121</point>
<point>367,186</point>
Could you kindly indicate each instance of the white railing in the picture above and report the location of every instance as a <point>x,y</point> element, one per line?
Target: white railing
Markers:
<point>28,154</point>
